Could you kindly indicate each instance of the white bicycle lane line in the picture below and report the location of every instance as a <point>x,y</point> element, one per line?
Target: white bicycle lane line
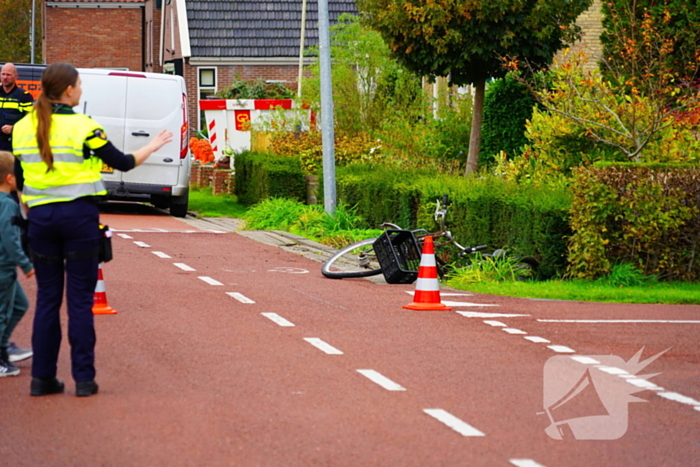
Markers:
<point>441,415</point>
<point>639,382</point>
<point>121,233</point>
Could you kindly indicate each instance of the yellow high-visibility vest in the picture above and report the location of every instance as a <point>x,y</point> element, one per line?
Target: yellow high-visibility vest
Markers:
<point>73,175</point>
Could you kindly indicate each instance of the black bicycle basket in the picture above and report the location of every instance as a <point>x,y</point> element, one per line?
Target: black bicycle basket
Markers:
<point>399,255</point>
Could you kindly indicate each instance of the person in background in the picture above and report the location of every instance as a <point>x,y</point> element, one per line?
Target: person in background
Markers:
<point>59,156</point>
<point>13,301</point>
<point>15,102</point>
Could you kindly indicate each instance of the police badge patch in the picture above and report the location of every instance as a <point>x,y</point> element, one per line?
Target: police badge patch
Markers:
<point>99,133</point>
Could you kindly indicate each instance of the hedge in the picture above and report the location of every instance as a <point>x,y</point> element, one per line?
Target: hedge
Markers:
<point>260,176</point>
<point>644,214</point>
<point>493,212</point>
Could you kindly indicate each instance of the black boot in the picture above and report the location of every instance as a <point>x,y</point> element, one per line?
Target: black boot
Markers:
<point>86,388</point>
<point>45,386</point>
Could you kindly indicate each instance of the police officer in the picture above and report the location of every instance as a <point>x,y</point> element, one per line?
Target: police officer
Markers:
<point>60,155</point>
<point>15,102</point>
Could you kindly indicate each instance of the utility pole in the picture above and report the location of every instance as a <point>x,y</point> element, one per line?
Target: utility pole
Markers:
<point>301,47</point>
<point>327,131</point>
<point>31,31</point>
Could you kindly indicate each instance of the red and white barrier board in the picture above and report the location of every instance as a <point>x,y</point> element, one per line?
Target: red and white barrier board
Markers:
<point>229,121</point>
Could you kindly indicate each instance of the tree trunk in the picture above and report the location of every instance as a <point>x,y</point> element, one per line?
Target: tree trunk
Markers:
<point>475,136</point>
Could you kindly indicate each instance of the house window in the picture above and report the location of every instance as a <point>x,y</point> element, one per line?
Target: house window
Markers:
<point>207,77</point>
<point>206,85</point>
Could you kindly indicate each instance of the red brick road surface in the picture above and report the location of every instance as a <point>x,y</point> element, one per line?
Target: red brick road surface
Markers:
<point>228,351</point>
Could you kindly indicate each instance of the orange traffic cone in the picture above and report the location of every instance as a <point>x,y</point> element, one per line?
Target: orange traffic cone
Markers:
<point>427,296</point>
<point>100,306</point>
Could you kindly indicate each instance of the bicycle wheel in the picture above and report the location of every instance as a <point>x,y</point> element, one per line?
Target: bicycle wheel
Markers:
<point>356,260</point>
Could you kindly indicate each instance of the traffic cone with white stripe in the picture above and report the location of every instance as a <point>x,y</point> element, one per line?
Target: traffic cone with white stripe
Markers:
<point>427,296</point>
<point>100,306</point>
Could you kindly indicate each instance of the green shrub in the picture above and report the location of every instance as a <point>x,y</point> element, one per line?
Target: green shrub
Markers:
<point>255,89</point>
<point>643,214</point>
<point>521,219</point>
<point>312,222</point>
<point>274,213</point>
<point>307,145</point>
<point>626,275</point>
<point>507,106</point>
<point>261,176</point>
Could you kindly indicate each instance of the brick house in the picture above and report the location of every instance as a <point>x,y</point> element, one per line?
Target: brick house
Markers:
<point>591,23</point>
<point>213,42</point>
<point>208,42</point>
<point>101,33</point>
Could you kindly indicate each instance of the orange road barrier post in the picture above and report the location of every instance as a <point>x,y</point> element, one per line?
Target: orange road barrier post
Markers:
<point>427,296</point>
<point>100,306</point>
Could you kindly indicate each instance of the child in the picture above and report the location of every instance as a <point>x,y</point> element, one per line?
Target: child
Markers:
<point>13,301</point>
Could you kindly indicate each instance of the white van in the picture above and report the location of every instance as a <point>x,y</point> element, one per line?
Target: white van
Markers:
<point>133,107</point>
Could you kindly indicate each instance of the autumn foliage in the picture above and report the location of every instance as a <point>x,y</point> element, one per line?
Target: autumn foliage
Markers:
<point>201,150</point>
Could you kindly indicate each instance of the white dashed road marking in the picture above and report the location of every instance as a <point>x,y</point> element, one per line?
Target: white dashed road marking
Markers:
<point>479,314</point>
<point>444,294</point>
<point>584,360</point>
<point>209,280</point>
<point>125,236</point>
<point>240,297</point>
<point>612,370</point>
<point>618,321</point>
<point>321,345</point>
<point>142,244</point>
<point>495,323</point>
<point>453,422</point>
<point>155,230</point>
<point>561,348</point>
<point>537,339</point>
<point>467,304</point>
<point>514,331</point>
<point>277,319</point>
<point>525,463</point>
<point>644,384</point>
<point>674,396</point>
<point>381,380</point>
<point>160,254</point>
<point>184,267</point>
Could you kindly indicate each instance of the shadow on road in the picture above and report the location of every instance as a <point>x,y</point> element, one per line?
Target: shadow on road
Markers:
<point>131,208</point>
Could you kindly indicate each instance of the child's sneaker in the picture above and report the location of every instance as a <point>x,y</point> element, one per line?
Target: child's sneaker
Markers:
<point>17,354</point>
<point>8,369</point>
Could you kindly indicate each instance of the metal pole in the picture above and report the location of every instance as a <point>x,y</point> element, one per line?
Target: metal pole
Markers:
<point>301,47</point>
<point>327,132</point>
<point>31,39</point>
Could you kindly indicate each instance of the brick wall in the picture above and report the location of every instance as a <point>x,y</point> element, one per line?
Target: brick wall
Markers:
<point>152,24</point>
<point>171,32</point>
<point>591,23</point>
<point>94,37</point>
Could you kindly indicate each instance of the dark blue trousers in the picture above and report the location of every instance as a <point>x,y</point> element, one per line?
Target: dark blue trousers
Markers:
<point>57,231</point>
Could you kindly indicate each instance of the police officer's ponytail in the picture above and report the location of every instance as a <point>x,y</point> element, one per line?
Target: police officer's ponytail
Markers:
<point>54,81</point>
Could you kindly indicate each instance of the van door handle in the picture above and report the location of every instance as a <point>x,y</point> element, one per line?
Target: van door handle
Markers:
<point>140,133</point>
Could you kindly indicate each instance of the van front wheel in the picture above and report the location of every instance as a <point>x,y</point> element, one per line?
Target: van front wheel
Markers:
<point>178,205</point>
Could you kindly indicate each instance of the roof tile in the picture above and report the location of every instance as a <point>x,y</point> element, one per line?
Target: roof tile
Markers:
<point>253,28</point>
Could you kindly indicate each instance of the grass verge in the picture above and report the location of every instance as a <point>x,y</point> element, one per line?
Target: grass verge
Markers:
<point>310,222</point>
<point>205,205</point>
<point>679,293</point>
